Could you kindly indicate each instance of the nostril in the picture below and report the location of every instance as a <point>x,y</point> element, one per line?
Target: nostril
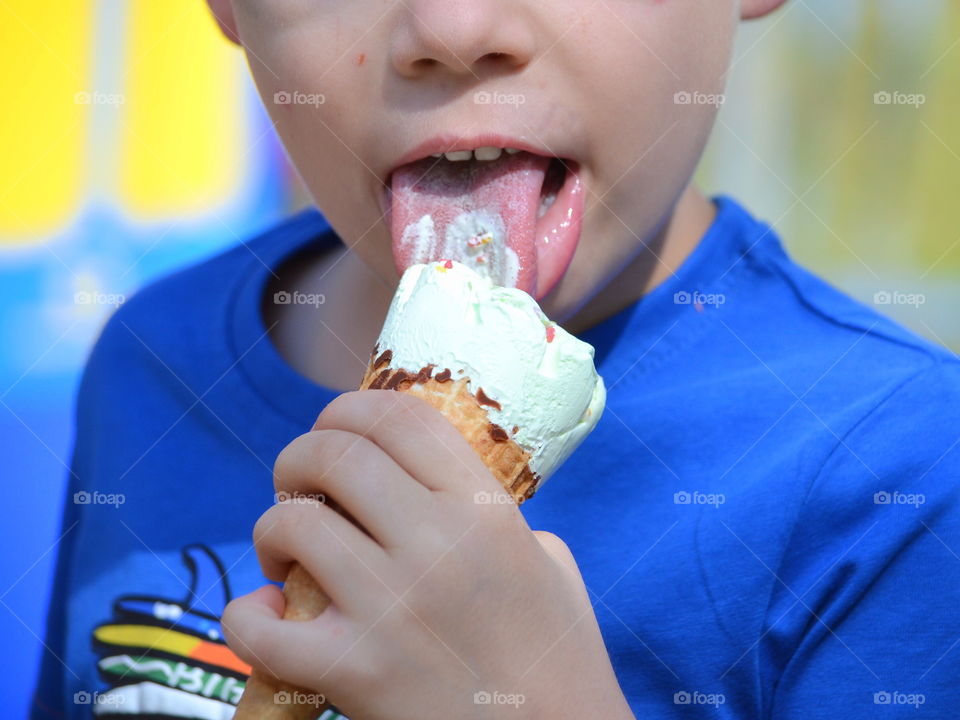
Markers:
<point>495,57</point>
<point>499,60</point>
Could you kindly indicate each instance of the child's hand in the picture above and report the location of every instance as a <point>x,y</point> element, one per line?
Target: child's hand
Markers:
<point>450,608</point>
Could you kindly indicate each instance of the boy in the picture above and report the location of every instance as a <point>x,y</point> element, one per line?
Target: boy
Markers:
<point>765,518</point>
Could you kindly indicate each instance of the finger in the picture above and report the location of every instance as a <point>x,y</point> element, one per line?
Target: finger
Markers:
<point>359,476</point>
<point>415,434</point>
<point>342,560</point>
<point>277,648</point>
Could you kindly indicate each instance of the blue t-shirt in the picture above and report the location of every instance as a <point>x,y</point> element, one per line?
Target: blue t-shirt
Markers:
<point>766,516</point>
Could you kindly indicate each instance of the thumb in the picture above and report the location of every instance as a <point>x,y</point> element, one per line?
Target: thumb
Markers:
<point>270,598</point>
<point>252,624</point>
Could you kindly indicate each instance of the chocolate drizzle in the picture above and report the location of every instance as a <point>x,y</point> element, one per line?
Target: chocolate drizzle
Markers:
<point>523,483</point>
<point>535,481</point>
<point>525,477</point>
<point>385,357</point>
<point>401,380</point>
<point>498,433</point>
<point>484,399</point>
<point>380,379</point>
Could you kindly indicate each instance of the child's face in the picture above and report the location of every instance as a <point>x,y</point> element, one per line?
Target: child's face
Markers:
<point>356,87</point>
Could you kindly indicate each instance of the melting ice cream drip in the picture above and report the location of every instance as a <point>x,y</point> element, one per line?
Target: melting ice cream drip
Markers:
<point>476,238</point>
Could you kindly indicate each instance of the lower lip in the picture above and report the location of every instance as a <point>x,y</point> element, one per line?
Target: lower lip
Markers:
<point>557,232</point>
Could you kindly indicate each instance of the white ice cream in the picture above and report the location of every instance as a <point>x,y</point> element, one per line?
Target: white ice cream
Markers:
<point>446,315</point>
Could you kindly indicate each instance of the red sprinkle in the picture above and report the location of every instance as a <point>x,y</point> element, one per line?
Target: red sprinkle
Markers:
<point>551,332</point>
<point>448,264</point>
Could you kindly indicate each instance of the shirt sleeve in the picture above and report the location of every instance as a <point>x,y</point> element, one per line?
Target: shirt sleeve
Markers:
<point>864,609</point>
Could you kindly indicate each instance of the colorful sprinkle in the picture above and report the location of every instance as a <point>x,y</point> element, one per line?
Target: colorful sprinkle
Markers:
<point>551,333</point>
<point>448,264</point>
<point>482,239</point>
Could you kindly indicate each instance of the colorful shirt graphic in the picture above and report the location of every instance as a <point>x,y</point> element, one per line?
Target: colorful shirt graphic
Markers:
<point>166,658</point>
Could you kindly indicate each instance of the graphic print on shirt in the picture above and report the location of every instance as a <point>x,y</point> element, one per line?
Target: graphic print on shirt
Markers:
<point>167,658</point>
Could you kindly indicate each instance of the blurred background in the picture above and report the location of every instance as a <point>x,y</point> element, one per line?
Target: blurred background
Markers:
<point>133,143</point>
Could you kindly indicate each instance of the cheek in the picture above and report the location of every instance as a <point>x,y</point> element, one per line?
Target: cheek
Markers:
<point>312,78</point>
<point>632,62</point>
<point>644,59</point>
<point>637,56</point>
<point>308,62</point>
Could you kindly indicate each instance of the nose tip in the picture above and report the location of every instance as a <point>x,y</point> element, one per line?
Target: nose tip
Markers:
<point>471,37</point>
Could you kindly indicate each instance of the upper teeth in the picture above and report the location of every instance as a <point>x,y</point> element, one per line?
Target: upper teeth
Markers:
<point>480,153</point>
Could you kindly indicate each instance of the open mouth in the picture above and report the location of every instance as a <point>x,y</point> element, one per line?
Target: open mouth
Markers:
<point>511,215</point>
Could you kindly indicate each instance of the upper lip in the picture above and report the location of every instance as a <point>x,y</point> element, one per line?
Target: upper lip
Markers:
<point>452,143</point>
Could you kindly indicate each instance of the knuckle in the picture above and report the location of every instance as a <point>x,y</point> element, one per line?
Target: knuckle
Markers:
<point>289,460</point>
<point>397,407</point>
<point>548,538</point>
<point>265,524</point>
<point>430,541</point>
<point>496,519</point>
<point>330,447</point>
<point>360,669</point>
<point>313,455</point>
<point>410,408</point>
<point>281,527</point>
<point>553,544</point>
<point>556,548</point>
<point>409,415</point>
<point>301,521</point>
<point>269,522</point>
<point>339,405</point>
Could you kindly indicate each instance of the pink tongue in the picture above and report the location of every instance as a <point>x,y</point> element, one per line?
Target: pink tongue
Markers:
<point>483,214</point>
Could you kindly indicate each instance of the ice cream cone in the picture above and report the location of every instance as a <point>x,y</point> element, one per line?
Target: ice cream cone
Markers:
<point>449,334</point>
<point>503,456</point>
<point>508,462</point>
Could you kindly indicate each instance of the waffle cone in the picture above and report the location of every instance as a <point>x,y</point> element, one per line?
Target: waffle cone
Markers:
<point>508,462</point>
